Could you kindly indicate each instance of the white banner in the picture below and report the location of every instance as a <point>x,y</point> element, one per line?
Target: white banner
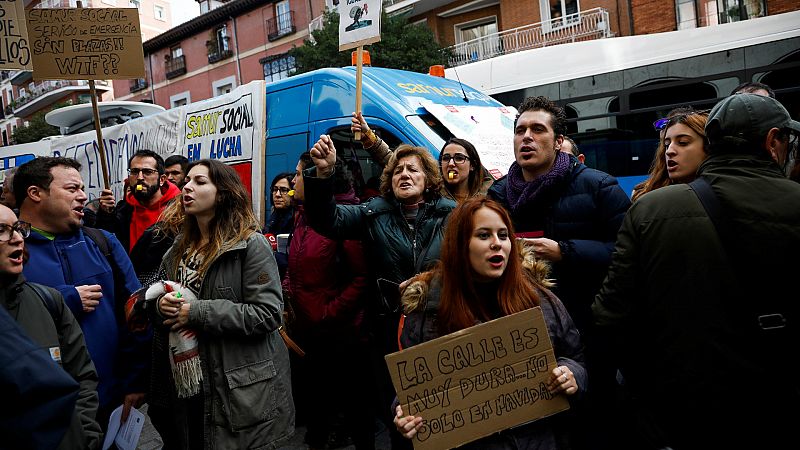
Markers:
<point>359,23</point>
<point>490,130</point>
<point>228,128</point>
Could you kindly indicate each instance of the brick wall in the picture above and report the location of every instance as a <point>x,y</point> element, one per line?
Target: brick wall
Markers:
<point>653,16</point>
<point>782,6</point>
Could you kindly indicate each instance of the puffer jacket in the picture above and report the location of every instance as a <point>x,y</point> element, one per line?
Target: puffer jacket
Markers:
<point>395,249</point>
<point>421,303</point>
<point>584,218</point>
<point>246,382</point>
<point>682,311</point>
<point>58,333</point>
<point>327,282</point>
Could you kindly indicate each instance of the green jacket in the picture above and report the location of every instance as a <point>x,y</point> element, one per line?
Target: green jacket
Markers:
<point>246,382</point>
<point>62,335</point>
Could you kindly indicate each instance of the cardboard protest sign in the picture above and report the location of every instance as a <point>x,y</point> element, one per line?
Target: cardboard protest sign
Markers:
<point>477,381</point>
<point>490,130</point>
<point>86,43</point>
<point>359,23</point>
<point>14,49</point>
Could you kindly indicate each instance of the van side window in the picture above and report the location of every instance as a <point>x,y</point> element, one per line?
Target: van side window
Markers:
<point>366,174</point>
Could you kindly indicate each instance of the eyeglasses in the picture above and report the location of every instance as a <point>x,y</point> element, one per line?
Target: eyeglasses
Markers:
<point>660,124</point>
<point>7,231</point>
<point>146,172</point>
<point>281,189</point>
<point>459,158</point>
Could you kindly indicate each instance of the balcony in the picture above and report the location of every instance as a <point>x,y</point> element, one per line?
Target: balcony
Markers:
<point>41,94</point>
<point>175,67</point>
<point>280,26</point>
<point>218,50</point>
<point>582,26</point>
<point>138,84</point>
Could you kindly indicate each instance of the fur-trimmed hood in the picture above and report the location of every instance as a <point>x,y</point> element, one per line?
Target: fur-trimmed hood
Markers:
<point>538,270</point>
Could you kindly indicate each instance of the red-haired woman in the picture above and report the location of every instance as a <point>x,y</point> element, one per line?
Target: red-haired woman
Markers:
<point>484,275</point>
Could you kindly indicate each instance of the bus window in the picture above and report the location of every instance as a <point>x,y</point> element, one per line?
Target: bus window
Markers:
<point>365,171</point>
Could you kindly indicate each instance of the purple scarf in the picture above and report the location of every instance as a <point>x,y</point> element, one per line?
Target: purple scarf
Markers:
<point>522,194</point>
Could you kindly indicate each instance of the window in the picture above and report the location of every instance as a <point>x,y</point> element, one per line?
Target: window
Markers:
<point>284,17</point>
<point>686,14</point>
<point>278,67</point>
<point>736,10</point>
<point>159,13</point>
<point>182,99</point>
<point>176,52</point>
<point>566,10</point>
<point>222,39</point>
<point>474,48</point>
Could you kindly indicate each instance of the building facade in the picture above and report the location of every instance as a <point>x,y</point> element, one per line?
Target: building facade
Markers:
<point>21,96</point>
<point>231,44</point>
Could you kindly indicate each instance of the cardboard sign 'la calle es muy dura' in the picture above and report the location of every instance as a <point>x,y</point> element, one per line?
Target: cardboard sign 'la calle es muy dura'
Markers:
<point>477,381</point>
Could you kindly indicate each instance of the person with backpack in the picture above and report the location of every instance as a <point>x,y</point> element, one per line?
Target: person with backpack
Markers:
<point>90,269</point>
<point>42,316</point>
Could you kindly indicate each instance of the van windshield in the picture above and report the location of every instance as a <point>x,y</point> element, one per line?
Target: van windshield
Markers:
<point>430,127</point>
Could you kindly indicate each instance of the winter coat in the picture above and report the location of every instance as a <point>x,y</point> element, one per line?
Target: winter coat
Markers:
<point>58,334</point>
<point>421,303</point>
<point>583,217</point>
<point>679,307</point>
<point>130,216</point>
<point>396,251</point>
<point>74,260</point>
<point>327,281</point>
<point>246,385</point>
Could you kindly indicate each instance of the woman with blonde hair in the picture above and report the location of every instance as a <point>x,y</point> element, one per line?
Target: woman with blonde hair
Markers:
<point>221,370</point>
<point>682,147</point>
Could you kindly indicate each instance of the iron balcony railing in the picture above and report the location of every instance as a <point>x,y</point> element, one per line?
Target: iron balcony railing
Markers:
<point>219,50</point>
<point>175,67</point>
<point>581,26</point>
<point>280,26</point>
<point>43,87</point>
<point>138,84</point>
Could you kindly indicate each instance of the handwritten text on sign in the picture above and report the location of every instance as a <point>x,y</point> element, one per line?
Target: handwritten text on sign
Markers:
<point>86,43</point>
<point>14,51</point>
<point>477,381</point>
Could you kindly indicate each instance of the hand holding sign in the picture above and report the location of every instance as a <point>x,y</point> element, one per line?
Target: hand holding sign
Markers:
<point>323,153</point>
<point>406,425</point>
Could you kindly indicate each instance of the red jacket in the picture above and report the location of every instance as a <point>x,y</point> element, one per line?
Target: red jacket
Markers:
<point>326,280</point>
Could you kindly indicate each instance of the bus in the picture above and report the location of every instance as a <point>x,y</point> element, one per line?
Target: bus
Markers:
<point>614,89</point>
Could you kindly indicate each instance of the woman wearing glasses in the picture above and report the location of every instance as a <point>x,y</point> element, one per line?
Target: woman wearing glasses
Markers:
<point>681,149</point>
<point>460,165</point>
<point>281,218</point>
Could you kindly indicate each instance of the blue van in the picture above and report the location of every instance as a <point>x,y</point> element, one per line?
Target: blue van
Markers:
<point>305,106</point>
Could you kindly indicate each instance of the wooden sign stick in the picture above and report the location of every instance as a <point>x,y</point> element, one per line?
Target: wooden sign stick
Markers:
<point>359,65</point>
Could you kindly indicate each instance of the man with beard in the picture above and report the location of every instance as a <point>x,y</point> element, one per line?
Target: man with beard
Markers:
<point>570,215</point>
<point>150,192</point>
<point>94,282</point>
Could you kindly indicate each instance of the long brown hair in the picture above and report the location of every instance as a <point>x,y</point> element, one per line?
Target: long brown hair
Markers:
<point>659,176</point>
<point>475,179</point>
<point>460,305</point>
<point>233,220</point>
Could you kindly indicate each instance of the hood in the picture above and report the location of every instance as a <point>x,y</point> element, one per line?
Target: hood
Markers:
<point>537,271</point>
<point>168,192</point>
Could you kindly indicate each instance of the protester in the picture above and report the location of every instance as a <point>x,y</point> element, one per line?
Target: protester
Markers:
<point>220,368</point>
<point>570,214</point>
<point>41,313</point>
<point>91,271</point>
<point>150,193</point>
<point>481,277</point>
<point>7,195</point>
<point>460,165</point>
<point>569,146</point>
<point>696,302</point>
<point>281,218</point>
<point>681,149</point>
<point>401,230</point>
<point>327,285</point>
<point>753,87</point>
<point>175,169</point>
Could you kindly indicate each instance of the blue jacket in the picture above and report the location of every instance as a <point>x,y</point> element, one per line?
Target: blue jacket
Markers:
<point>74,260</point>
<point>584,218</point>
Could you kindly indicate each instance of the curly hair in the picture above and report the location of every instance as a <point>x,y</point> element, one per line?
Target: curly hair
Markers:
<point>433,176</point>
<point>559,117</point>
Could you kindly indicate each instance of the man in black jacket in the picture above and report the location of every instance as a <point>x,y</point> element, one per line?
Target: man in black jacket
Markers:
<point>703,306</point>
<point>41,313</point>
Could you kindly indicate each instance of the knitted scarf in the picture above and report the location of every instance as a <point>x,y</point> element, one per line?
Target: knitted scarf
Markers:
<point>522,194</point>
